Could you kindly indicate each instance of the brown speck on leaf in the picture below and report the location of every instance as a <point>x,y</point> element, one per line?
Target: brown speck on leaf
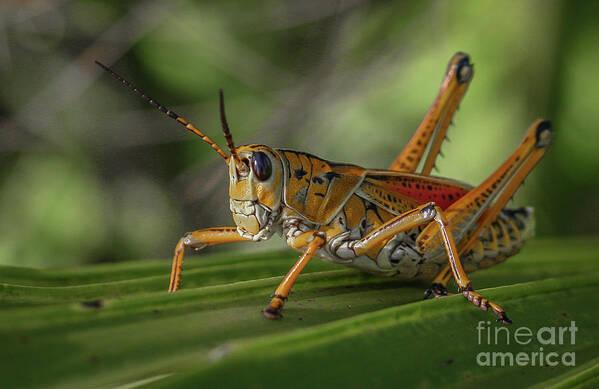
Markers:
<point>24,339</point>
<point>564,314</point>
<point>93,304</point>
<point>447,362</point>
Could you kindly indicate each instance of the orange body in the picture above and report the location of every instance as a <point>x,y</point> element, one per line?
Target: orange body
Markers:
<point>390,222</point>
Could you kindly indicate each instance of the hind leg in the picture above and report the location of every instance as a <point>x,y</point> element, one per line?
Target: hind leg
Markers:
<point>490,216</point>
<point>433,129</point>
<point>481,206</point>
<point>438,118</point>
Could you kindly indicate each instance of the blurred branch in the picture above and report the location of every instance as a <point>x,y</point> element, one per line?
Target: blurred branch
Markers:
<point>291,14</point>
<point>228,53</point>
<point>15,12</point>
<point>77,76</point>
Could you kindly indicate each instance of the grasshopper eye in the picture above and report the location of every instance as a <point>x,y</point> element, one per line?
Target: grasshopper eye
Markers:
<point>261,166</point>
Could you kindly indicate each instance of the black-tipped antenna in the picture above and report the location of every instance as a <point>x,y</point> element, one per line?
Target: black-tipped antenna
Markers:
<point>167,111</point>
<point>226,131</point>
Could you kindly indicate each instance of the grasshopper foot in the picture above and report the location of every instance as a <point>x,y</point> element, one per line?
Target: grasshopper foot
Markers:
<point>272,313</point>
<point>437,290</point>
<point>478,300</point>
<point>502,317</point>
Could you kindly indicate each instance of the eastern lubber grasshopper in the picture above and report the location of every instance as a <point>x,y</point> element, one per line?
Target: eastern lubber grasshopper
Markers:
<point>392,222</point>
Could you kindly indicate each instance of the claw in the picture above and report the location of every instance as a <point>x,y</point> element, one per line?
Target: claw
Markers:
<point>427,293</point>
<point>272,313</point>
<point>502,317</point>
<point>438,290</point>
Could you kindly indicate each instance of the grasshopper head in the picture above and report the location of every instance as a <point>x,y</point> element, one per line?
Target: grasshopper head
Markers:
<point>256,183</point>
<point>255,188</point>
<point>255,171</point>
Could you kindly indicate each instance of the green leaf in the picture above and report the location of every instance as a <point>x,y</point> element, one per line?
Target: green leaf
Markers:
<point>114,325</point>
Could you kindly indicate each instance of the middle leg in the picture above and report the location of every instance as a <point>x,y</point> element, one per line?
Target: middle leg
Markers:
<point>312,240</point>
<point>426,214</point>
<point>438,286</point>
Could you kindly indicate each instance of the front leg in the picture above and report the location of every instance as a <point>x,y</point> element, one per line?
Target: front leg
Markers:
<point>198,240</point>
<point>313,240</point>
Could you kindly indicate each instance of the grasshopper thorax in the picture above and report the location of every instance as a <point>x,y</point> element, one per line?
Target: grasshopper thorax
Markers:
<point>255,190</point>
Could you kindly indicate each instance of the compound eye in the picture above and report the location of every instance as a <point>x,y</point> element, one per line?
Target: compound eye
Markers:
<point>261,166</point>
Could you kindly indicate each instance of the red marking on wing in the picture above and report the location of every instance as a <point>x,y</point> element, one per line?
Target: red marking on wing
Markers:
<point>422,190</point>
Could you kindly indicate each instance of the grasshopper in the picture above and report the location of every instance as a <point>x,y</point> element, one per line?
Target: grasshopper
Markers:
<point>389,222</point>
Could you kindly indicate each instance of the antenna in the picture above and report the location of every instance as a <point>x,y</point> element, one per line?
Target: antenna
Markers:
<point>170,113</point>
<point>228,137</point>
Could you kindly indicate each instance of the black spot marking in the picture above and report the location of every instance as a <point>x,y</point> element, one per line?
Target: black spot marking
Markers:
<point>317,180</point>
<point>299,173</point>
<point>331,175</point>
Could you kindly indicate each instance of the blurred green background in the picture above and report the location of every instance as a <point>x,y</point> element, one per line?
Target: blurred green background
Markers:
<point>90,173</point>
